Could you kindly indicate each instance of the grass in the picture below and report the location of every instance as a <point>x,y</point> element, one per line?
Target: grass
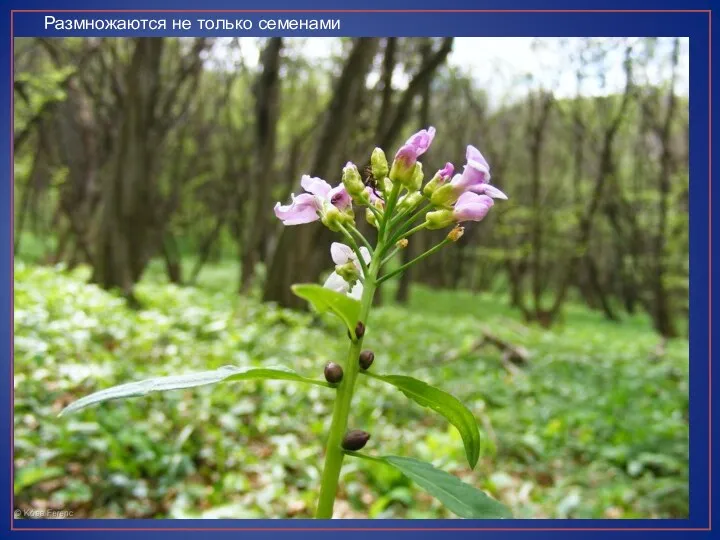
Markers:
<point>594,426</point>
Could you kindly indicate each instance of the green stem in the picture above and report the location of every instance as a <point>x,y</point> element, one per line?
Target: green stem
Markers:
<point>355,248</point>
<point>402,232</point>
<point>389,257</point>
<point>416,259</point>
<point>334,452</point>
<point>378,213</point>
<point>409,221</point>
<point>385,226</point>
<point>409,233</point>
<point>362,238</point>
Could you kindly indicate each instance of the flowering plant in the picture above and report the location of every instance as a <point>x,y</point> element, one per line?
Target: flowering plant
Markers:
<point>394,199</point>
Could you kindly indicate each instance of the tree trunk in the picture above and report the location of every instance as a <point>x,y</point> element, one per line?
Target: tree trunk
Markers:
<point>267,110</point>
<point>605,175</point>
<point>171,256</point>
<point>123,243</point>
<point>663,319</point>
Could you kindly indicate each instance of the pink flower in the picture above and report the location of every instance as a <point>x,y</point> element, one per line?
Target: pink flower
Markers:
<point>476,176</point>
<point>307,207</point>
<point>415,146</point>
<point>446,172</point>
<point>422,140</point>
<point>471,207</point>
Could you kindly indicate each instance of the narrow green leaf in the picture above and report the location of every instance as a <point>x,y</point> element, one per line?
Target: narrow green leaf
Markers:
<point>188,380</point>
<point>460,498</point>
<point>322,299</point>
<point>445,404</point>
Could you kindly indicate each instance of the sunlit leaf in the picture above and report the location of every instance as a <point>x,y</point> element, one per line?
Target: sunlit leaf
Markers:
<point>445,404</point>
<point>188,380</point>
<point>28,476</point>
<point>322,299</point>
<point>460,498</point>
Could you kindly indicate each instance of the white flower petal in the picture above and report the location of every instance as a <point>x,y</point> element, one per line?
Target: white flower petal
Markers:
<point>341,254</point>
<point>356,291</point>
<point>336,283</point>
<point>492,191</point>
<point>365,254</point>
<point>478,166</point>
<point>316,186</point>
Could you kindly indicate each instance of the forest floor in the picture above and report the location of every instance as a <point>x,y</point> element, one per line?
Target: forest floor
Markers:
<point>593,426</point>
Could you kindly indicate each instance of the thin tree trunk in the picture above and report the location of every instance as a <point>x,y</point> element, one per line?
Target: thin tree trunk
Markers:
<point>206,249</point>
<point>173,262</point>
<point>664,323</point>
<point>267,96</point>
<point>127,199</point>
<point>605,175</point>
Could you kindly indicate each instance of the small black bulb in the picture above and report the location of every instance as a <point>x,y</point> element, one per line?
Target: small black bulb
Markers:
<point>333,373</point>
<point>355,439</point>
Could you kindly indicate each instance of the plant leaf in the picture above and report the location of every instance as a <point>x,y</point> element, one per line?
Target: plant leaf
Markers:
<point>188,380</point>
<point>28,476</point>
<point>322,299</point>
<point>445,404</point>
<point>460,498</point>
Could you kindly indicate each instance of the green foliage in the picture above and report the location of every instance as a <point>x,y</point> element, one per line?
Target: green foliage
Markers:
<point>324,300</point>
<point>462,499</point>
<point>188,380</point>
<point>595,426</point>
<point>35,91</point>
<point>441,402</point>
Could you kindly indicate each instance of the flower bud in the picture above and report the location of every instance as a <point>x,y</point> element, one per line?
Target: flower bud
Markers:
<point>370,218</point>
<point>355,439</point>
<point>333,373</point>
<point>442,176</point>
<point>439,219</point>
<point>348,272</point>
<point>332,217</point>
<point>354,185</point>
<point>456,233</point>
<point>409,201</point>
<point>402,243</point>
<point>366,359</point>
<point>403,166</point>
<point>431,186</point>
<point>359,329</point>
<point>417,178</point>
<point>444,196</point>
<point>379,164</point>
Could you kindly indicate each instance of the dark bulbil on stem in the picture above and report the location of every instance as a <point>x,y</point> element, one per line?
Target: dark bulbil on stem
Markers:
<point>359,329</point>
<point>366,359</point>
<point>355,439</point>
<point>333,373</point>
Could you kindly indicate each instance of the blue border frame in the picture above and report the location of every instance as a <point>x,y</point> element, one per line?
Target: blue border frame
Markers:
<point>696,25</point>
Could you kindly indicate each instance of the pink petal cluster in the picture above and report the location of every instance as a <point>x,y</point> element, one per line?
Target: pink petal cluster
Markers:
<point>446,172</point>
<point>307,207</point>
<point>472,207</point>
<point>477,194</point>
<point>415,146</point>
